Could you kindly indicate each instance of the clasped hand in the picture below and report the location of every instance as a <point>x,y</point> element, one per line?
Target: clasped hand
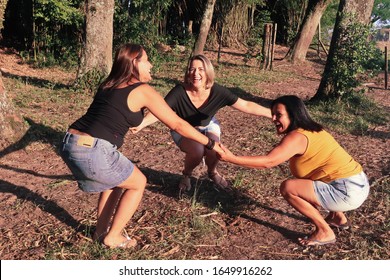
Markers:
<point>223,153</point>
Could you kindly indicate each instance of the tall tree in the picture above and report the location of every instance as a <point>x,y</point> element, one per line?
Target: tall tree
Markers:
<point>350,12</point>
<point>314,12</point>
<point>289,15</point>
<point>238,19</point>
<point>204,27</point>
<point>12,126</point>
<point>97,52</point>
<point>3,5</point>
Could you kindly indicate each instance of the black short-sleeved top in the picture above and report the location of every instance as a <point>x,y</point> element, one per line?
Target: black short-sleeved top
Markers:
<point>109,117</point>
<point>180,102</point>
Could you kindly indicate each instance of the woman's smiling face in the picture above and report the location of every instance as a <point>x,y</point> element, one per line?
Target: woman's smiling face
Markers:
<point>144,66</point>
<point>197,74</point>
<point>280,118</point>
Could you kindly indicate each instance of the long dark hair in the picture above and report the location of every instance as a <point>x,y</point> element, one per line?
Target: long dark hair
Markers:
<point>297,113</point>
<point>123,68</point>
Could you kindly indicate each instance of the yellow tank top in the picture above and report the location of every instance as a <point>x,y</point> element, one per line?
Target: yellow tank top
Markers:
<point>324,159</point>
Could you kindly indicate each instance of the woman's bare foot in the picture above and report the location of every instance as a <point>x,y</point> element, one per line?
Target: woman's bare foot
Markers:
<point>185,184</point>
<point>318,238</point>
<point>218,180</point>
<point>124,242</point>
<point>337,219</point>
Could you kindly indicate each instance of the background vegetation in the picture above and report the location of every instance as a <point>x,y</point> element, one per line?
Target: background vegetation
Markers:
<point>48,33</point>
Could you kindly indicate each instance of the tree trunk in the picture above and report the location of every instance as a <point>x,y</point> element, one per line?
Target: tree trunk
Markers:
<point>361,11</point>
<point>3,5</point>
<point>204,27</point>
<point>97,52</point>
<point>189,29</point>
<point>237,23</point>
<point>313,16</point>
<point>12,126</point>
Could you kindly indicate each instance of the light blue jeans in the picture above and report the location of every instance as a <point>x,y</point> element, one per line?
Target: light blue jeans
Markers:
<point>98,165</point>
<point>343,194</point>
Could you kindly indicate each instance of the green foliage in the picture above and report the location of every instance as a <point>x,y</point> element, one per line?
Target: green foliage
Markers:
<point>328,20</point>
<point>255,2</point>
<point>57,13</point>
<point>139,22</point>
<point>289,15</point>
<point>255,39</point>
<point>355,114</point>
<point>90,81</point>
<point>56,31</point>
<point>381,11</point>
<point>354,56</point>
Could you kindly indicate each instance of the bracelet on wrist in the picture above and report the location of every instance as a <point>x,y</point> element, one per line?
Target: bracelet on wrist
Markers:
<point>210,145</point>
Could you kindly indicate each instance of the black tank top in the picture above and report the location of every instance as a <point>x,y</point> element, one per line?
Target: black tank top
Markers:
<point>109,117</point>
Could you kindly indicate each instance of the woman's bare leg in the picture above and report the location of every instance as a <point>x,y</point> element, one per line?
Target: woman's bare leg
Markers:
<point>193,154</point>
<point>133,191</point>
<point>300,194</point>
<point>211,159</point>
<point>336,218</point>
<point>107,203</point>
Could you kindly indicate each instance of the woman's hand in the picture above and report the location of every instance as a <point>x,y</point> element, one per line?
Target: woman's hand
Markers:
<point>217,148</point>
<point>136,129</point>
<point>223,153</point>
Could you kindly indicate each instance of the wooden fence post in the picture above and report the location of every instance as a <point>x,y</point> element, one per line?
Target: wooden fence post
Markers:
<point>220,43</point>
<point>269,38</point>
<point>273,45</point>
<point>386,68</point>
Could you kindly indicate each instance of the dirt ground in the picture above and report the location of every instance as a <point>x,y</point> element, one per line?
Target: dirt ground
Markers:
<point>42,209</point>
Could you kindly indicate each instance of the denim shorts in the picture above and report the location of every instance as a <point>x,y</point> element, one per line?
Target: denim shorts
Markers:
<point>95,163</point>
<point>212,127</point>
<point>343,194</point>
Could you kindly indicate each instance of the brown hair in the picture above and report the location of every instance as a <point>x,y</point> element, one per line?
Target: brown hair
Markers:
<point>123,68</point>
<point>208,68</point>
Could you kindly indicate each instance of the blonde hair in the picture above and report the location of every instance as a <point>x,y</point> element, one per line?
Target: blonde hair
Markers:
<point>208,68</point>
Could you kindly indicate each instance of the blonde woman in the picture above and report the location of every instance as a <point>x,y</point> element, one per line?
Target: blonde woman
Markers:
<point>197,101</point>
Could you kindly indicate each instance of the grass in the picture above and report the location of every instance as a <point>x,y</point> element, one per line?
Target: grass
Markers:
<point>196,226</point>
<point>247,78</point>
<point>356,115</point>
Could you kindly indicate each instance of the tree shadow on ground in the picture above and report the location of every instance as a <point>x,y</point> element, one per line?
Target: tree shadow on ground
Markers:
<point>42,83</point>
<point>231,202</point>
<point>38,133</point>
<point>287,233</point>
<point>44,204</point>
<point>36,174</point>
<point>35,133</point>
<point>266,102</point>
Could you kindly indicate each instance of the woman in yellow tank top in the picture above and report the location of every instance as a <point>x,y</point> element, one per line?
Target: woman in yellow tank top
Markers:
<point>325,174</point>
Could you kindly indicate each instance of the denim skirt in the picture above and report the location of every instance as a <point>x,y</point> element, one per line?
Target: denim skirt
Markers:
<point>343,194</point>
<point>95,163</point>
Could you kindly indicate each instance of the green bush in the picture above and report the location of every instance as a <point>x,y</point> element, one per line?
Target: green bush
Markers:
<point>355,58</point>
<point>355,113</point>
<point>90,81</point>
